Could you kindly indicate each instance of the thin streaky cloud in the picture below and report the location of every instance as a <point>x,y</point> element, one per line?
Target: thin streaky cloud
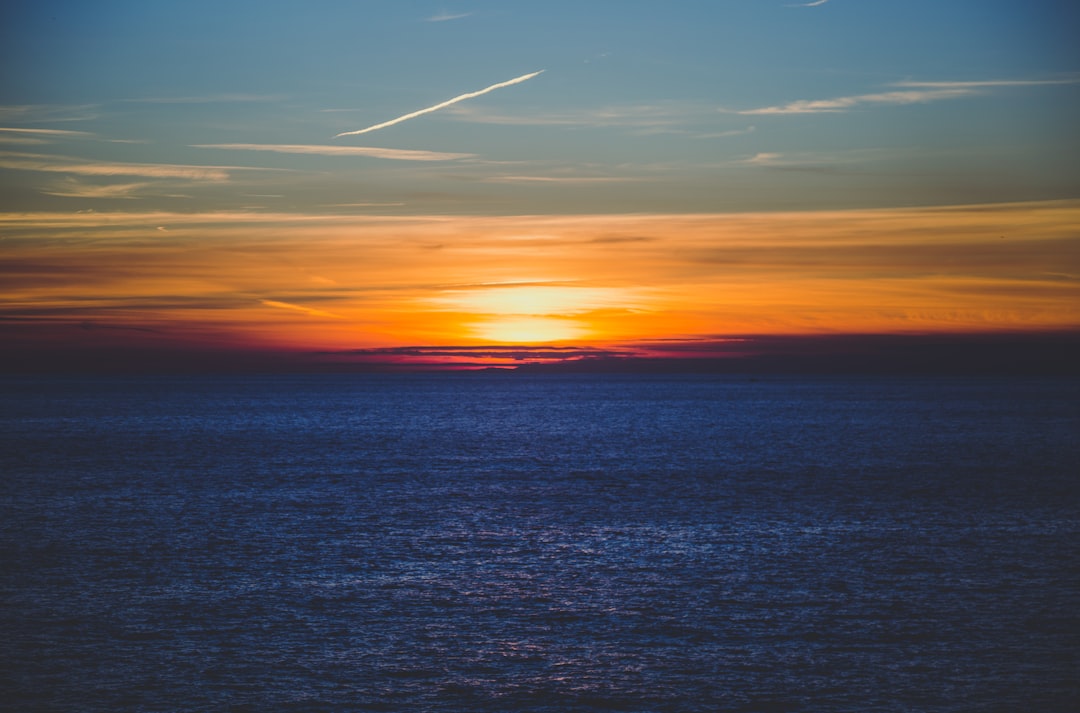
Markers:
<point>23,140</point>
<point>71,188</point>
<point>641,116</point>
<point>763,158</point>
<point>367,204</point>
<point>908,92</point>
<point>209,99</point>
<point>839,104</point>
<point>446,16</point>
<point>560,179</point>
<point>442,105</point>
<point>49,132</point>
<point>810,4</point>
<point>298,308</point>
<point>48,112</point>
<point>56,164</point>
<point>726,134</point>
<point>842,161</point>
<point>320,150</point>
<point>987,83</point>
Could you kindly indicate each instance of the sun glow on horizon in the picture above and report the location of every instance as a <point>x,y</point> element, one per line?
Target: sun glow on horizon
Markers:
<point>308,283</point>
<point>531,312</point>
<point>533,299</point>
<point>528,330</point>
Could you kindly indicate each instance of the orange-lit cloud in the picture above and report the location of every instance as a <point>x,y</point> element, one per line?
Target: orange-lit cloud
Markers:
<point>61,164</point>
<point>300,308</point>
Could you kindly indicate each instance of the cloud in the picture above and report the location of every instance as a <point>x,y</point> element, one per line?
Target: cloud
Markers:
<point>366,204</point>
<point>816,3</point>
<point>446,17</point>
<point>509,353</point>
<point>209,99</point>
<point>299,308</point>
<point>443,105</point>
<point>637,116</point>
<point>319,150</point>
<point>561,179</point>
<point>843,162</point>
<point>13,135</point>
<point>839,104</point>
<point>669,117</point>
<point>71,188</point>
<point>48,112</point>
<point>908,92</point>
<point>22,140</point>
<point>726,134</point>
<point>61,164</point>
<point>533,299</point>
<point>764,158</point>
<point>987,83</point>
<point>49,133</point>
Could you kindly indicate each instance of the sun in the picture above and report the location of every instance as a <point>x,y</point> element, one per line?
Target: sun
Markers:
<point>524,329</point>
<point>526,312</point>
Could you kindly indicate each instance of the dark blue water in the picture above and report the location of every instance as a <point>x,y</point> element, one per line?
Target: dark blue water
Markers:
<point>495,542</point>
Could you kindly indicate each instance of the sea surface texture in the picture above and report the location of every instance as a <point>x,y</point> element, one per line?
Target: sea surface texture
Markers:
<point>507,542</point>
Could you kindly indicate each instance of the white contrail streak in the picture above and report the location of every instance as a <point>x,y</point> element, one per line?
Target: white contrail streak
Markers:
<point>448,102</point>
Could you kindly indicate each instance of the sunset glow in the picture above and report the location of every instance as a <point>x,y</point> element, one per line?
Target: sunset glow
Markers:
<point>527,330</point>
<point>594,204</point>
<point>334,283</point>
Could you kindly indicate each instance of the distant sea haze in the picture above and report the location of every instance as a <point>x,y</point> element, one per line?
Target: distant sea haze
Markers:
<point>539,542</point>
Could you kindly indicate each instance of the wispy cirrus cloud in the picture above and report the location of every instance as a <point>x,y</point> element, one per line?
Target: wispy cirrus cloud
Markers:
<point>299,308</point>
<point>635,116</point>
<point>984,84</point>
<point>23,140</point>
<point>48,112</point>
<point>664,118</point>
<point>840,104</point>
<point>47,133</point>
<point>63,164</point>
<point>207,99</point>
<point>906,92</point>
<point>72,188</point>
<point>321,150</point>
<point>22,135</point>
<point>763,158</point>
<point>816,3</point>
<point>560,179</point>
<point>442,105</point>
<point>729,133</point>
<point>842,162</point>
<point>447,16</point>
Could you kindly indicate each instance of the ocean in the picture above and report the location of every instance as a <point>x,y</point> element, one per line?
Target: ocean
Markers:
<point>563,543</point>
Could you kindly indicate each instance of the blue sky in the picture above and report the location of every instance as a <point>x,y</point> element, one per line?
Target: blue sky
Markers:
<point>642,106</point>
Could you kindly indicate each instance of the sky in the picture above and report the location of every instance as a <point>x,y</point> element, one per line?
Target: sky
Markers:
<point>501,183</point>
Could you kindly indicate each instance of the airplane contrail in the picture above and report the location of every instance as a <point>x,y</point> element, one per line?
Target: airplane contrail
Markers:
<point>443,105</point>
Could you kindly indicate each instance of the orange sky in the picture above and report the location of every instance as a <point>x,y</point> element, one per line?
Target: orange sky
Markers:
<point>314,283</point>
